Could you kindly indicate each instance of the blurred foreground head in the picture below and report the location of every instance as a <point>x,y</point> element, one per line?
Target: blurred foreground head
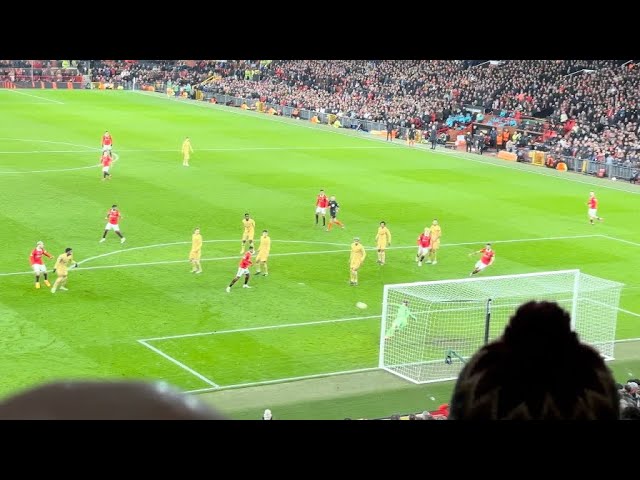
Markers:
<point>105,400</point>
<point>537,370</point>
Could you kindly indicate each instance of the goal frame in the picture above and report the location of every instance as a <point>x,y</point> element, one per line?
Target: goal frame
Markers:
<point>574,289</point>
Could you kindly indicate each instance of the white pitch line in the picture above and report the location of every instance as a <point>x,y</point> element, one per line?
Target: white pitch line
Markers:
<point>116,157</point>
<point>180,364</point>
<point>350,134</point>
<point>18,152</point>
<point>36,96</point>
<point>28,140</point>
<point>289,325</point>
<point>168,262</point>
<point>157,245</point>
<point>625,340</point>
<point>283,380</point>
<point>89,150</point>
<point>265,327</point>
<point>629,312</point>
<point>622,240</point>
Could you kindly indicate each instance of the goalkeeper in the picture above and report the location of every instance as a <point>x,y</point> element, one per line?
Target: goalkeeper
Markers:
<point>402,317</point>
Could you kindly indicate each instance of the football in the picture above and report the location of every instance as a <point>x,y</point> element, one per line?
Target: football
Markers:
<point>613,179</point>
<point>361,305</point>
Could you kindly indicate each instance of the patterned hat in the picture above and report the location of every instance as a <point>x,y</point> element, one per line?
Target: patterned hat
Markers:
<point>537,370</point>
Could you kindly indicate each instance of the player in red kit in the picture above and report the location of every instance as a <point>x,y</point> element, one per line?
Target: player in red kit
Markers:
<point>487,258</point>
<point>39,268</point>
<point>592,203</point>
<point>107,142</point>
<point>321,207</point>
<point>106,162</point>
<point>113,217</point>
<point>424,245</point>
<point>243,269</point>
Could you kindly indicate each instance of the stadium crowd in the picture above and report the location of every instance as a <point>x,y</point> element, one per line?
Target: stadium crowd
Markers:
<point>589,107</point>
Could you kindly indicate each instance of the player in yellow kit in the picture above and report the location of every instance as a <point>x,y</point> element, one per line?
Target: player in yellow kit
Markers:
<point>263,254</point>
<point>187,150</point>
<point>436,233</point>
<point>356,259</point>
<point>196,251</point>
<point>64,261</point>
<point>383,240</point>
<point>249,231</point>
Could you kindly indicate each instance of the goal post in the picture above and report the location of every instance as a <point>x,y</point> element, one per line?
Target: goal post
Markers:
<point>430,329</point>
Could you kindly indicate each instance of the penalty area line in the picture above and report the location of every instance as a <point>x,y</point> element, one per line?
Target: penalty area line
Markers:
<point>265,327</point>
<point>180,364</point>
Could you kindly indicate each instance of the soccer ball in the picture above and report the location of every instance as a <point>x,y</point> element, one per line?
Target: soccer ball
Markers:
<point>361,305</point>
<point>613,179</point>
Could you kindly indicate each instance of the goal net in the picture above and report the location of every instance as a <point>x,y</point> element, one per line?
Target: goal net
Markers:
<point>430,329</point>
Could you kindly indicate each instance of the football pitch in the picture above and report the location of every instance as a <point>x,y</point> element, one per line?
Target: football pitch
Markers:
<point>295,342</point>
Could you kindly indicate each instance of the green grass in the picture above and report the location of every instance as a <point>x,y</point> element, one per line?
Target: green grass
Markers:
<point>50,190</point>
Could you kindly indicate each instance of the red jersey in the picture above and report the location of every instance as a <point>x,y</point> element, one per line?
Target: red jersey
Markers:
<point>424,240</point>
<point>36,256</point>
<point>106,160</point>
<point>593,203</point>
<point>322,201</point>
<point>246,260</point>
<point>106,140</point>
<point>487,255</point>
<point>114,216</point>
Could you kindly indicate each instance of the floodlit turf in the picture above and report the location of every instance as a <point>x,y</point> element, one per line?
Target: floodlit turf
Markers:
<point>50,190</point>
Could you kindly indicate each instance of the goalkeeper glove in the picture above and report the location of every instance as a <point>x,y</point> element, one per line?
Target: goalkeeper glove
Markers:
<point>54,270</point>
<point>76,265</point>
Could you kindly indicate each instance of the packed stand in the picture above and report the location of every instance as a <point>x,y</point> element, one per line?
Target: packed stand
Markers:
<point>40,70</point>
<point>593,113</point>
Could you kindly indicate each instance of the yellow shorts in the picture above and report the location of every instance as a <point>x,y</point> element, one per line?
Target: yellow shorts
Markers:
<point>355,265</point>
<point>61,272</point>
<point>262,257</point>
<point>248,236</point>
<point>435,245</point>
<point>195,255</point>
<point>381,246</point>
<point>186,156</point>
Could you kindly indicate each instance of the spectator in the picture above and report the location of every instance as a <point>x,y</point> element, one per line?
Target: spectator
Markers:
<point>105,400</point>
<point>630,413</point>
<point>629,396</point>
<point>538,369</point>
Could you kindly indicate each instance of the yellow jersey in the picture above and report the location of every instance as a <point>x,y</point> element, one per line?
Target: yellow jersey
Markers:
<point>196,242</point>
<point>436,232</point>
<point>63,262</point>
<point>384,235</point>
<point>249,225</point>
<point>186,147</point>
<point>358,252</point>
<point>265,245</point>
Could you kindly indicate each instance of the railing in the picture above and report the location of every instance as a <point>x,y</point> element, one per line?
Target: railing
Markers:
<point>591,167</point>
<point>287,111</point>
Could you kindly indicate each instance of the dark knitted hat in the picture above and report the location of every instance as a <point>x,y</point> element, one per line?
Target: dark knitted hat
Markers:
<point>538,369</point>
